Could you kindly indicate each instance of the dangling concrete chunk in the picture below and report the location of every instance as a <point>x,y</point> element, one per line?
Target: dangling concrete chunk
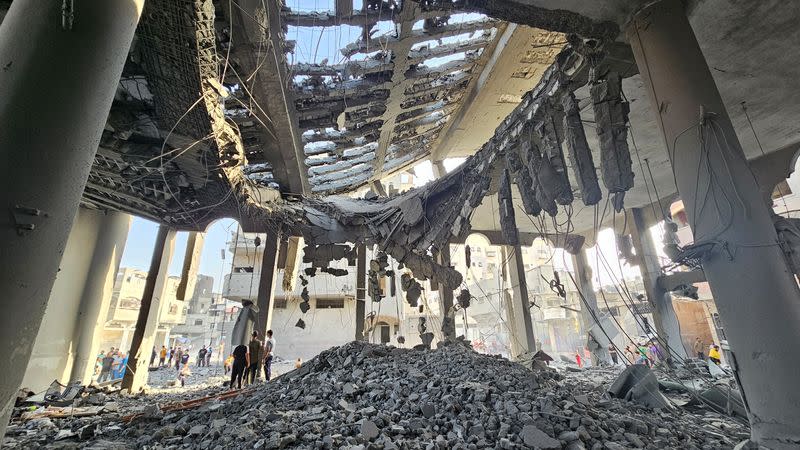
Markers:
<point>611,123</point>
<point>507,219</point>
<point>553,157</point>
<point>524,182</point>
<point>579,152</point>
<point>543,177</point>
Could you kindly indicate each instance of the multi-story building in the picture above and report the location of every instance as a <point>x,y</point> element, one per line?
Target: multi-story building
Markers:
<point>124,310</point>
<point>204,324</point>
<point>331,317</point>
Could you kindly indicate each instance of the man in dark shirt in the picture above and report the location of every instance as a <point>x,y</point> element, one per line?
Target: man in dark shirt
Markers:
<point>253,368</point>
<point>201,356</point>
<point>105,368</point>
<point>241,359</point>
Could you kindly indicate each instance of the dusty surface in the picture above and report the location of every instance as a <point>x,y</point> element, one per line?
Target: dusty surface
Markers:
<point>361,396</point>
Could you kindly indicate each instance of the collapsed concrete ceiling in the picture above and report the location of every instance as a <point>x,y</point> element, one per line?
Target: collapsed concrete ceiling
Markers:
<point>207,124</point>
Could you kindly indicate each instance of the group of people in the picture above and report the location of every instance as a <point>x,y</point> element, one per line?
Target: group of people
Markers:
<point>181,356</point>
<point>246,360</point>
<point>111,365</point>
<point>713,351</point>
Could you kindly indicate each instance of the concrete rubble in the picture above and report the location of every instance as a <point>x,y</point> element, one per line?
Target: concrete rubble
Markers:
<point>366,396</point>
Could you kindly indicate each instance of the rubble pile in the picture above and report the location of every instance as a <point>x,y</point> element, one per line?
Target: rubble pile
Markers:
<point>365,396</point>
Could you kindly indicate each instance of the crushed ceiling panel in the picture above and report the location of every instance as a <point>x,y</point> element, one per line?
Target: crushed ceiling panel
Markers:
<point>186,161</point>
<point>392,93</point>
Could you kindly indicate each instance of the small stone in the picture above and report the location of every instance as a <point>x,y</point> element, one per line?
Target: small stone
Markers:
<point>534,437</point>
<point>569,436</point>
<point>197,430</point>
<point>635,440</point>
<point>428,410</point>
<point>369,430</point>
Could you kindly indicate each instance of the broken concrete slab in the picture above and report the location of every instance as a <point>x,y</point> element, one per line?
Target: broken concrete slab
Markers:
<point>637,383</point>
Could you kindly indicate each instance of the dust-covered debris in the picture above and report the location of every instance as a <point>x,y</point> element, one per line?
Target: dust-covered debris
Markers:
<point>370,396</point>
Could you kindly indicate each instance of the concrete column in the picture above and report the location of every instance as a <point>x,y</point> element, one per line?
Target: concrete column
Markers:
<point>756,294</point>
<point>123,341</point>
<point>522,335</point>
<point>167,335</point>
<point>446,299</point>
<point>361,290</point>
<point>664,318</point>
<point>191,264</point>
<point>56,88</point>
<point>266,284</point>
<point>102,274</point>
<point>149,312</point>
<point>583,275</point>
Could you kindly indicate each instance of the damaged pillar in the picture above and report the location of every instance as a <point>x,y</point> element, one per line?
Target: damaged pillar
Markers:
<point>191,264</point>
<point>361,290</point>
<point>597,342</point>
<point>446,299</point>
<point>111,239</point>
<point>755,292</point>
<point>522,337</point>
<point>149,311</point>
<point>57,83</point>
<point>666,321</point>
<point>266,284</point>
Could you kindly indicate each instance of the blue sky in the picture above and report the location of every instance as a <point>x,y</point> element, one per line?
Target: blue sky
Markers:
<point>142,238</point>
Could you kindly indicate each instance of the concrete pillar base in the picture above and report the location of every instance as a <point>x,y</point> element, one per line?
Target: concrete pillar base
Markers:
<point>756,294</point>
<point>56,88</point>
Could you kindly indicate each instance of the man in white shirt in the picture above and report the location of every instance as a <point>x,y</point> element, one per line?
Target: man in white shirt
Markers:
<point>269,351</point>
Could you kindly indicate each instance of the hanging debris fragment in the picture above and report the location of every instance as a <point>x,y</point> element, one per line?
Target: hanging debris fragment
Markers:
<point>464,299</point>
<point>544,178</point>
<point>468,255</point>
<point>300,324</point>
<point>412,289</point>
<point>321,255</point>
<point>579,151</point>
<point>334,271</point>
<point>524,182</point>
<point>553,155</point>
<point>611,120</point>
<point>507,219</point>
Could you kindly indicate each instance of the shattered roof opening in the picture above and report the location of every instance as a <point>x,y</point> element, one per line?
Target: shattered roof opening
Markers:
<point>374,88</point>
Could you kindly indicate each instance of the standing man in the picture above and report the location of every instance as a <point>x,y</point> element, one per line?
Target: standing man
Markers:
<point>699,348</point>
<point>105,366</point>
<point>177,355</point>
<point>254,366</point>
<point>612,351</point>
<point>269,351</point>
<point>162,356</point>
<point>201,357</point>
<point>208,356</point>
<point>241,360</point>
<point>153,356</point>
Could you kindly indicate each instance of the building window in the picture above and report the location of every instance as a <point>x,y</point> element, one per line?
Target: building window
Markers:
<point>130,303</point>
<point>330,303</point>
<point>280,303</point>
<point>173,309</point>
<point>198,321</point>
